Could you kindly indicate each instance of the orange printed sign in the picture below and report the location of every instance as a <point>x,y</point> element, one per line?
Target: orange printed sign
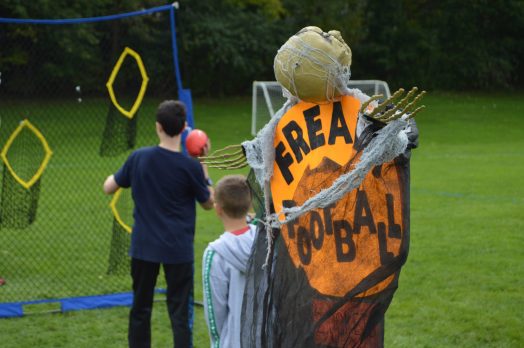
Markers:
<point>339,245</point>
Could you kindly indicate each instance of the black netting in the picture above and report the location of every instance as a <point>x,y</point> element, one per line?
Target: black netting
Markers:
<point>19,205</point>
<point>118,259</point>
<point>121,237</point>
<point>59,236</point>
<point>119,133</point>
<point>20,193</point>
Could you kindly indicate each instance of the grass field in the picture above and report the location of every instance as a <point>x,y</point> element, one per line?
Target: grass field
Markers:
<point>462,285</point>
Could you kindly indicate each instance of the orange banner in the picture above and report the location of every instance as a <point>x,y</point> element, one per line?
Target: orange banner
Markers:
<point>340,245</point>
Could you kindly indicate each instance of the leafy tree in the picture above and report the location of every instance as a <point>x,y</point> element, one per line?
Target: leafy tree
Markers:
<point>345,16</point>
<point>226,45</point>
<point>471,44</point>
<point>478,43</point>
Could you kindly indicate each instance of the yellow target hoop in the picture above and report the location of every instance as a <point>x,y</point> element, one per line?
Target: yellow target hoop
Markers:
<point>116,214</point>
<point>145,79</point>
<point>45,161</point>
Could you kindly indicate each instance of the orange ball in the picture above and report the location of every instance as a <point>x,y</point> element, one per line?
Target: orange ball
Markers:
<point>195,142</point>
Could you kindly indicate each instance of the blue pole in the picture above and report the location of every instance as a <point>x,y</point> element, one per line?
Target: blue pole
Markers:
<point>87,19</point>
<point>184,95</point>
<point>174,46</point>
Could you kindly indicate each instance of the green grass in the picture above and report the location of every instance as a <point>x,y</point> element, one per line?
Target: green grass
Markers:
<point>462,285</point>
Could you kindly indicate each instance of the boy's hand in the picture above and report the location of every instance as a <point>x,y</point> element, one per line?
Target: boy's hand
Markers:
<point>206,148</point>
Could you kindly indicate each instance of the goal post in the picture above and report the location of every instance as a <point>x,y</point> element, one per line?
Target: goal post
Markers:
<point>268,98</point>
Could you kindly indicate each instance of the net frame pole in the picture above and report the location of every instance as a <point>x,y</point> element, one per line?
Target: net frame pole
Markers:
<point>174,45</point>
<point>183,94</point>
<point>86,19</point>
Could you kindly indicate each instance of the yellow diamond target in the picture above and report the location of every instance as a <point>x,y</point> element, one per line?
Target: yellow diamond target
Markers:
<point>47,153</point>
<point>116,214</point>
<point>128,113</point>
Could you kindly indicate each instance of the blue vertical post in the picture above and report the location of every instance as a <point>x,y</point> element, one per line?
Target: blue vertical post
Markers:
<point>184,95</point>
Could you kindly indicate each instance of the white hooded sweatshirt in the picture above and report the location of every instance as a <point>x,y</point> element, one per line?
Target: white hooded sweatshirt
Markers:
<point>223,275</point>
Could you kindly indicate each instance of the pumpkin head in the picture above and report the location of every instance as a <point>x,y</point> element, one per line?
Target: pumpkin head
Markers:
<point>313,65</point>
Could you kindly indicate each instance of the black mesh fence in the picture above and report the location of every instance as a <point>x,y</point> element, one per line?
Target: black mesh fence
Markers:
<point>65,126</point>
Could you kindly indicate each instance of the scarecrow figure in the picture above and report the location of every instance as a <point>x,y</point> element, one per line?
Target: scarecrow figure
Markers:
<point>333,166</point>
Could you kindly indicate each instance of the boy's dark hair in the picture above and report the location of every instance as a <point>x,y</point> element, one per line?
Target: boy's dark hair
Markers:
<point>233,194</point>
<point>171,114</point>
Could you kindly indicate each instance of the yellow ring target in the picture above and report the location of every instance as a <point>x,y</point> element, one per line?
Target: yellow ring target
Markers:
<point>45,161</point>
<point>116,214</point>
<point>145,79</point>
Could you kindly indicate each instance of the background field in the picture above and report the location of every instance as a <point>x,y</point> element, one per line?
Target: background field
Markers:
<point>463,282</point>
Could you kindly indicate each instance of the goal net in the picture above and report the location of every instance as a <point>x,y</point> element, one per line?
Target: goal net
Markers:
<point>76,97</point>
<point>268,98</point>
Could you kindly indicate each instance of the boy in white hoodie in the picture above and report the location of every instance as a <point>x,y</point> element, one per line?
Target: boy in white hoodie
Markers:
<point>225,261</point>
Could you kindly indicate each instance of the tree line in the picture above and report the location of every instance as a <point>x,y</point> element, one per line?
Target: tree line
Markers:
<point>224,45</point>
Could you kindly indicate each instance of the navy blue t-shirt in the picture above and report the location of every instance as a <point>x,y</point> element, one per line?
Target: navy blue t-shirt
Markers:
<point>164,185</point>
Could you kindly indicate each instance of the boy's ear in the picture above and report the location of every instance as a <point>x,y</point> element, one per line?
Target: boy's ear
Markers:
<point>159,128</point>
<point>218,209</point>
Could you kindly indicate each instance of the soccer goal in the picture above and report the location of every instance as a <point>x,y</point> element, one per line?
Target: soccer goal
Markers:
<point>268,98</point>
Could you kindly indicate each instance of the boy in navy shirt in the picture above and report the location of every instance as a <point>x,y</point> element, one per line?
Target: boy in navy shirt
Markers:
<point>164,184</point>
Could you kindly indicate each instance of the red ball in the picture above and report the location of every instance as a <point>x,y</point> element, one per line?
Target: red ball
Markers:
<point>195,142</point>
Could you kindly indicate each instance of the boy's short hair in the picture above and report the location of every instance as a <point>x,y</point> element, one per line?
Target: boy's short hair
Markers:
<point>171,114</point>
<point>233,194</point>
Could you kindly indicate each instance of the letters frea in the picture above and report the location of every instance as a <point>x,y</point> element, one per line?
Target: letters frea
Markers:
<point>296,141</point>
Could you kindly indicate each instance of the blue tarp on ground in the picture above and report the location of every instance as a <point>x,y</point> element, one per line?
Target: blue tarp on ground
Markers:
<point>16,309</point>
<point>10,310</point>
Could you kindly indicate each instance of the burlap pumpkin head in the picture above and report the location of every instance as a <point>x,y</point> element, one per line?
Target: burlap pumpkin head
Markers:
<point>314,65</point>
